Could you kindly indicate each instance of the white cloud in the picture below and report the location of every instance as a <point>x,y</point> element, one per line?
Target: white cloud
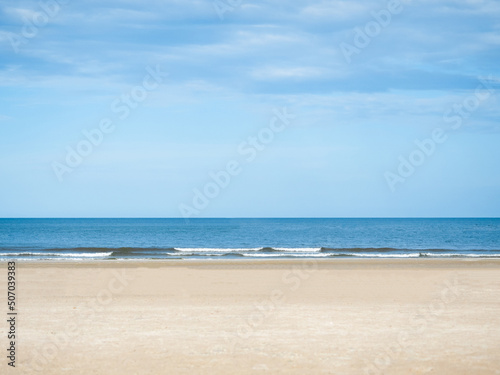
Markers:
<point>335,10</point>
<point>274,72</point>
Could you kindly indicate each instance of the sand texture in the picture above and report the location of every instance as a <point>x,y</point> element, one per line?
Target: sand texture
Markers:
<point>415,316</point>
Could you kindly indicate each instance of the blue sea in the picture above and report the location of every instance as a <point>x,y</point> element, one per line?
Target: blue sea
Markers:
<point>129,239</point>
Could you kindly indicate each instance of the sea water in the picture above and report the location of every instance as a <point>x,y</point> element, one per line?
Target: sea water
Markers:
<point>78,239</point>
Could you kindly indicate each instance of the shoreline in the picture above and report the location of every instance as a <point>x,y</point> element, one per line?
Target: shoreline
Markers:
<point>340,262</point>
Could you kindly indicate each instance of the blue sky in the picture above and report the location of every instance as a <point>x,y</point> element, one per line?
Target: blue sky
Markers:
<point>67,66</point>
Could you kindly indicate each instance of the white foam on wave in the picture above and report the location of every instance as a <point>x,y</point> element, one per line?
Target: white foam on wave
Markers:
<point>271,255</point>
<point>91,255</point>
<point>460,255</point>
<point>380,255</point>
<point>213,250</point>
<point>242,250</point>
<point>61,255</point>
<point>299,249</point>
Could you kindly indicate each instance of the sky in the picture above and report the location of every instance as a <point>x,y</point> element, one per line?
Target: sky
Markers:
<point>253,108</point>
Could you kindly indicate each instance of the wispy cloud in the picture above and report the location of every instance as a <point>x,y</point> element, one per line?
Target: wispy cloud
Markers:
<point>223,76</point>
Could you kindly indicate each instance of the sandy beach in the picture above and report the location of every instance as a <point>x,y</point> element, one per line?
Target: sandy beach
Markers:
<point>341,316</point>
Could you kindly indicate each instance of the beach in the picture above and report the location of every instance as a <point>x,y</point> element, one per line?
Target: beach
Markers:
<point>326,316</point>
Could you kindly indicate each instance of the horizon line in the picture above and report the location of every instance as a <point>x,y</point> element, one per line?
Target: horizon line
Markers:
<point>264,217</point>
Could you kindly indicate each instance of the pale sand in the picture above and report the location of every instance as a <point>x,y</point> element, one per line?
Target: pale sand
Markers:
<point>327,317</point>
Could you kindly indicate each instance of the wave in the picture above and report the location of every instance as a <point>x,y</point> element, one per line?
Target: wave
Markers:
<point>373,255</point>
<point>386,250</point>
<point>213,249</point>
<point>129,251</point>
<point>259,252</point>
<point>233,255</point>
<point>59,254</point>
<point>222,249</point>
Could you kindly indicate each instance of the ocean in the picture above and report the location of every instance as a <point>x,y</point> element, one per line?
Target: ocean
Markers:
<point>132,239</point>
